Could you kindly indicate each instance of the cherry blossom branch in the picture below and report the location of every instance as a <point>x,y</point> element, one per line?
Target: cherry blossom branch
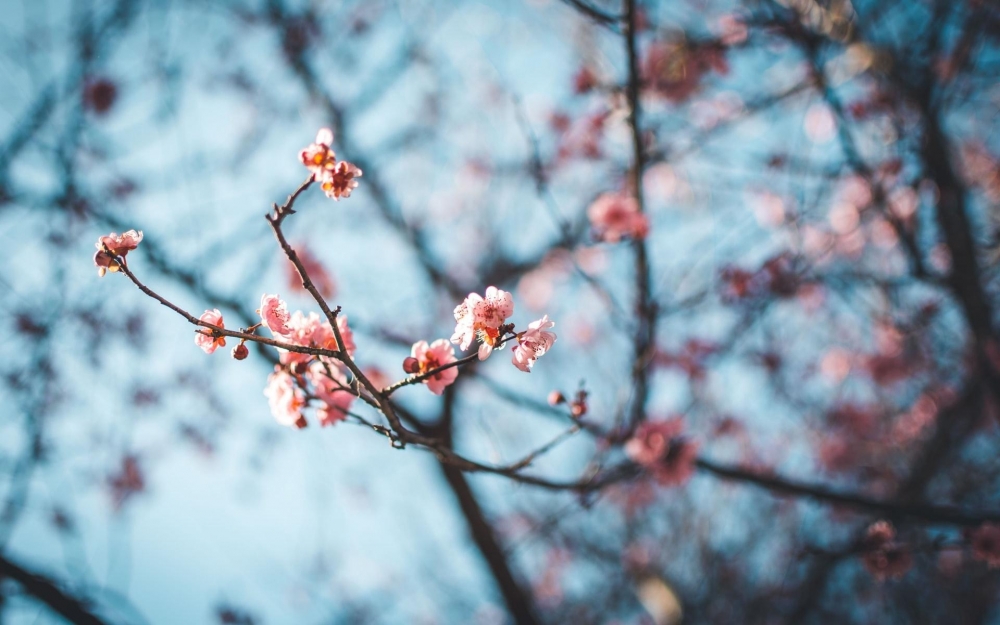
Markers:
<point>416,379</point>
<point>216,330</point>
<point>645,335</point>
<point>275,219</point>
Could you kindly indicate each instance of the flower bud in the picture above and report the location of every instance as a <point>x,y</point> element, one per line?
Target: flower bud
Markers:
<point>556,398</point>
<point>411,365</point>
<point>578,408</point>
<point>240,352</point>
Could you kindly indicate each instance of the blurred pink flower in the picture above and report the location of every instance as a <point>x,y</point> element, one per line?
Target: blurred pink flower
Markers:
<point>884,558</point>
<point>338,181</point>
<point>274,313</point>
<point>331,388</point>
<point>432,356</point>
<point>482,317</point>
<point>285,398</point>
<point>615,216</point>
<point>203,338</point>
<point>533,343</point>
<point>320,277</point>
<point>318,157</point>
<point>985,541</point>
<point>112,245</point>
<point>659,448</point>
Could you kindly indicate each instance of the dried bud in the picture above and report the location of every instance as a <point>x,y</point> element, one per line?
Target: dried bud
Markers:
<point>411,365</point>
<point>240,352</point>
<point>556,398</point>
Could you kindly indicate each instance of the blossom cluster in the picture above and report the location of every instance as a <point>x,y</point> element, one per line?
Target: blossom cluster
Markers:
<point>660,448</point>
<point>113,246</point>
<point>883,556</point>
<point>300,378</point>
<point>303,380</point>
<point>336,178</point>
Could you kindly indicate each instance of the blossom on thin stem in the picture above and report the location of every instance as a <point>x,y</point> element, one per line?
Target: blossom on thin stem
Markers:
<point>285,398</point>
<point>659,447</point>
<point>112,245</point>
<point>319,156</point>
<point>313,331</point>
<point>884,557</point>
<point>424,358</point>
<point>615,216</point>
<point>274,313</point>
<point>533,343</point>
<point>204,338</point>
<point>339,180</point>
<point>482,317</point>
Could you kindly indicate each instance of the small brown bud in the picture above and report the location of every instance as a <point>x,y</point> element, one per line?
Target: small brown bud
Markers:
<point>556,398</point>
<point>240,352</point>
<point>578,409</point>
<point>411,365</point>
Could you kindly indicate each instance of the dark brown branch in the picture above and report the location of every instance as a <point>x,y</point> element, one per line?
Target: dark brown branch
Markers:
<point>48,592</point>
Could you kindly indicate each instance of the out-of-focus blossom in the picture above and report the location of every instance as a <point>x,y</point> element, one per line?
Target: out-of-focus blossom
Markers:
<point>274,313</point>
<point>674,69</point>
<point>884,557</point>
<point>429,357</point>
<point>127,481</point>
<point>659,447</point>
<point>203,338</point>
<point>482,317</point>
<point>318,156</point>
<point>732,30</point>
<point>320,277</point>
<point>584,80</point>
<point>99,94</point>
<point>615,216</point>
<point>533,343</point>
<point>985,541</point>
<point>331,388</point>
<point>285,398</point>
<point>820,124</point>
<point>338,182</point>
<point>112,245</point>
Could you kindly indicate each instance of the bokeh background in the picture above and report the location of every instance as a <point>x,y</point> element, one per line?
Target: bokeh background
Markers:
<point>821,180</point>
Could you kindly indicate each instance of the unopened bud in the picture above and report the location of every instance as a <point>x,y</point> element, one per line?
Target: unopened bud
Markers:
<point>556,398</point>
<point>411,365</point>
<point>240,352</point>
<point>578,409</point>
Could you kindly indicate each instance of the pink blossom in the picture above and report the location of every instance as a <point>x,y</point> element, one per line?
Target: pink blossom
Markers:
<point>318,157</point>
<point>314,331</point>
<point>482,317</point>
<point>533,343</point>
<point>203,338</point>
<point>320,277</point>
<point>285,398</point>
<point>331,388</point>
<point>112,245</point>
<point>985,541</point>
<point>432,356</point>
<point>659,448</point>
<point>883,557</point>
<point>274,313</point>
<point>615,216</point>
<point>338,181</point>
